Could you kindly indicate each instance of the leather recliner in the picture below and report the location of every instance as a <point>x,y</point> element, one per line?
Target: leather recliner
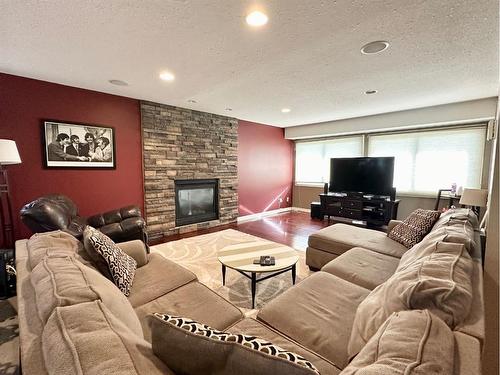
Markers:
<point>53,212</point>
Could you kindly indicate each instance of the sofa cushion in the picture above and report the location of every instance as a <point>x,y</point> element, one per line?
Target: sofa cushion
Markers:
<point>250,326</point>
<point>440,282</point>
<point>317,313</point>
<point>414,228</point>
<point>363,267</point>
<point>438,244</point>
<point>339,238</point>
<point>51,243</point>
<point>194,300</point>
<point>468,354</point>
<point>107,255</point>
<point>193,348</point>
<point>457,214</point>
<point>156,278</point>
<point>88,339</point>
<point>409,342</point>
<point>64,281</point>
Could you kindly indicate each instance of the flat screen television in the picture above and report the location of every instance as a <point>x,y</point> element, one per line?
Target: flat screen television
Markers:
<point>368,175</point>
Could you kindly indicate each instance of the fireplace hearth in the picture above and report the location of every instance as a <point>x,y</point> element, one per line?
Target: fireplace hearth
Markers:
<point>196,201</point>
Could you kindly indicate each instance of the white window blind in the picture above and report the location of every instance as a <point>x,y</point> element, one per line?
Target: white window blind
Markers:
<point>312,159</point>
<point>432,160</point>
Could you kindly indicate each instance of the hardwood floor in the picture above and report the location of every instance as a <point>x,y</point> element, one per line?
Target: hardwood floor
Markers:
<point>289,228</point>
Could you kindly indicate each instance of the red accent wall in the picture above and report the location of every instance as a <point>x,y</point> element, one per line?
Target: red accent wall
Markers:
<point>265,168</point>
<point>25,102</point>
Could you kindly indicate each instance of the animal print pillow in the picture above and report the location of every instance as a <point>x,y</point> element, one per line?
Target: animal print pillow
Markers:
<point>110,259</point>
<point>189,347</point>
<point>414,228</point>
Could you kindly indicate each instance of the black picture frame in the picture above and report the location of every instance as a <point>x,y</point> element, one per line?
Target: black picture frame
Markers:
<point>72,145</point>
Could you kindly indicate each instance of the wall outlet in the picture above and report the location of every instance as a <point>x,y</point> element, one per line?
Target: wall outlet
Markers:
<point>288,199</point>
<point>281,200</point>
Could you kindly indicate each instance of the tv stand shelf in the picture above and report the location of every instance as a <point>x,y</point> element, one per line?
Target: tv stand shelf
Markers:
<point>375,211</point>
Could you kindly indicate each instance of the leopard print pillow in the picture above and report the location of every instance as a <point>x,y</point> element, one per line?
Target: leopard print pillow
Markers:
<point>414,228</point>
<point>251,342</point>
<point>121,267</point>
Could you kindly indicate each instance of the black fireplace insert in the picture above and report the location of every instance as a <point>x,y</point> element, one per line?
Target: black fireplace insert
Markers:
<point>196,201</point>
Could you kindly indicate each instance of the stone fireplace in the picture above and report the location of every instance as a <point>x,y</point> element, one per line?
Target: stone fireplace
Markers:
<point>182,145</point>
<point>196,201</point>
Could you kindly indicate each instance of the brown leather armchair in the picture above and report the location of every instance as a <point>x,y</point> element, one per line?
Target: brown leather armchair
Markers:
<point>53,212</point>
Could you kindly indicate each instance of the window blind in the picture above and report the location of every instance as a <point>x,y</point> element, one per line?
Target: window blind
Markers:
<point>312,159</point>
<point>432,160</point>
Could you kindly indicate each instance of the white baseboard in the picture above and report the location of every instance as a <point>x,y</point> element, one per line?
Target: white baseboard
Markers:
<point>300,209</point>
<point>260,215</point>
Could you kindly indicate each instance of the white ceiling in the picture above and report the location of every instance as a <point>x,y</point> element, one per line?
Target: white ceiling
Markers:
<point>306,58</point>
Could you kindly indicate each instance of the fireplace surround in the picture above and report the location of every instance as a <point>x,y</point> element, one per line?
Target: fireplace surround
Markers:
<point>196,201</point>
<point>182,144</point>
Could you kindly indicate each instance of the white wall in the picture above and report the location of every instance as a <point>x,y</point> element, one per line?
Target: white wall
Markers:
<point>491,274</point>
<point>456,113</point>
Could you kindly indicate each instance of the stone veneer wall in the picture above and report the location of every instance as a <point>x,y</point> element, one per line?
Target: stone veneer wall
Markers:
<point>179,143</point>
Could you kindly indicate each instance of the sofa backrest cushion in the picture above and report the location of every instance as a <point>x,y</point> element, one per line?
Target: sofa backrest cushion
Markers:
<point>192,348</point>
<point>457,214</point>
<point>412,342</point>
<point>64,281</point>
<point>440,282</point>
<point>51,243</point>
<point>88,339</point>
<point>414,228</point>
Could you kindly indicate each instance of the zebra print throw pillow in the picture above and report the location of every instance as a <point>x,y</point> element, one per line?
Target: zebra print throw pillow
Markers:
<point>120,265</point>
<point>414,228</point>
<point>251,342</point>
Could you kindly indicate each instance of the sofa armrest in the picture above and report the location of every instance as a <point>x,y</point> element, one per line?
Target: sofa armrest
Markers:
<point>136,249</point>
<point>392,224</point>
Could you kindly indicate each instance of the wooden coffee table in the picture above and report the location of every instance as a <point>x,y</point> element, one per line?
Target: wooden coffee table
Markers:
<point>240,258</point>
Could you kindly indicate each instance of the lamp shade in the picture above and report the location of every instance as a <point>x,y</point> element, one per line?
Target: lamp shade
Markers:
<point>8,152</point>
<point>474,197</point>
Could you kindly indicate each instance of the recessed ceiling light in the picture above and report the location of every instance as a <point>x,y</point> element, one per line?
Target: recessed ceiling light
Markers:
<point>167,76</point>
<point>192,101</point>
<point>228,109</point>
<point>374,47</point>
<point>370,92</point>
<point>118,82</point>
<point>257,19</point>
<point>285,110</point>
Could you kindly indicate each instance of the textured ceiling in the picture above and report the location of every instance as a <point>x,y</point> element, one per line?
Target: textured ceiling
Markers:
<point>306,58</point>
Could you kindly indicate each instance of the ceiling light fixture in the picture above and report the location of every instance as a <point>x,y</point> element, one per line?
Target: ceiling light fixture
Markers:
<point>374,47</point>
<point>371,92</point>
<point>192,101</point>
<point>167,76</point>
<point>285,110</point>
<point>257,19</point>
<point>118,82</point>
<point>228,109</point>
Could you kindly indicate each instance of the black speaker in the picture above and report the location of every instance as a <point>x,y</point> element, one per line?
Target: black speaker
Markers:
<point>316,210</point>
<point>325,188</point>
<point>393,194</point>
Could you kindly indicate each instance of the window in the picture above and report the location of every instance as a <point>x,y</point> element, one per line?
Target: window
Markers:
<point>312,159</point>
<point>432,160</point>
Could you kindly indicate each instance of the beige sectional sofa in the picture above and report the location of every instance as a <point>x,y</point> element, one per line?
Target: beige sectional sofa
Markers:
<point>73,320</point>
<point>320,312</point>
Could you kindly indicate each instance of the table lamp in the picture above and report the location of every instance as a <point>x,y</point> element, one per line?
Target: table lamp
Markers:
<point>8,156</point>
<point>474,198</point>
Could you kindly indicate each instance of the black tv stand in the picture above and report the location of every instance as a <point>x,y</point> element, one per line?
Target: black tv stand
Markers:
<point>373,210</point>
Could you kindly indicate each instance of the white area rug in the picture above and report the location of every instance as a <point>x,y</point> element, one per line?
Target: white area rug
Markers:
<point>199,254</point>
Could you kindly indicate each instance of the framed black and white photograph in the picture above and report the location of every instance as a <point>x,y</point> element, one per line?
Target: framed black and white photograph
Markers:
<point>73,145</point>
